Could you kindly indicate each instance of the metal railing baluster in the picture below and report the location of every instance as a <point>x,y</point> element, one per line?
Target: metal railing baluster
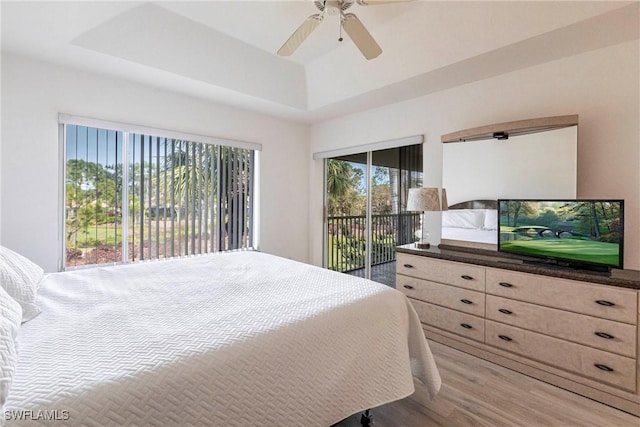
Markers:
<point>346,234</point>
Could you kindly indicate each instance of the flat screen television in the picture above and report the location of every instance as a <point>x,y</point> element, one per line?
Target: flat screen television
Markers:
<point>585,234</point>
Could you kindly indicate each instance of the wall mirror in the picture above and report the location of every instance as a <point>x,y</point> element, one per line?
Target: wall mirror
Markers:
<point>531,159</point>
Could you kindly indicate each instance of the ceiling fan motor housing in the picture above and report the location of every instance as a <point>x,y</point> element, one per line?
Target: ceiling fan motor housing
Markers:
<point>333,7</point>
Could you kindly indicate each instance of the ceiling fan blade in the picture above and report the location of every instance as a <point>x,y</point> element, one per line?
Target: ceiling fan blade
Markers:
<point>360,36</point>
<point>377,2</point>
<point>299,35</point>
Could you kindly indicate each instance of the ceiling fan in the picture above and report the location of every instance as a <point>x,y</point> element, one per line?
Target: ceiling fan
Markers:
<point>350,22</point>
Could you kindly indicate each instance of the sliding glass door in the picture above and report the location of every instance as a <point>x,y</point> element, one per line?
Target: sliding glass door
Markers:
<point>366,217</point>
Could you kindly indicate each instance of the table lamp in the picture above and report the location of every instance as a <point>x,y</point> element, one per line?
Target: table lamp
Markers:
<point>424,200</point>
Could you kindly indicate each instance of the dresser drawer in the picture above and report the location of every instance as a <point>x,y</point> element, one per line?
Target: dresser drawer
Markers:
<point>604,334</point>
<point>595,300</point>
<point>589,362</point>
<point>464,300</point>
<point>450,320</point>
<point>451,273</point>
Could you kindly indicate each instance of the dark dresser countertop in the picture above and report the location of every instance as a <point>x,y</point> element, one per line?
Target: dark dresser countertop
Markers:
<point>621,278</point>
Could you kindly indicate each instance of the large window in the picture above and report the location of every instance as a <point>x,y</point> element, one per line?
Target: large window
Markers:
<point>133,196</point>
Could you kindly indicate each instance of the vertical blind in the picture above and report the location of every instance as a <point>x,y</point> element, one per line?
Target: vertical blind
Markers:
<point>167,197</point>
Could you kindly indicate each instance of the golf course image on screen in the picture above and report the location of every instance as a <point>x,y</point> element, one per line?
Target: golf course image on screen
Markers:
<point>588,231</point>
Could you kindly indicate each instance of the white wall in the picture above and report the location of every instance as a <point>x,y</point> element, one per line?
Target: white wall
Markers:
<point>33,93</point>
<point>601,86</point>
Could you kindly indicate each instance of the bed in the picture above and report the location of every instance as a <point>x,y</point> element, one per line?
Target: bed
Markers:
<point>229,339</point>
<point>471,221</point>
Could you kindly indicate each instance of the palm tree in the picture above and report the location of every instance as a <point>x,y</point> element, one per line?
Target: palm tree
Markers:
<point>205,189</point>
<point>210,181</point>
<point>339,177</point>
<point>342,187</point>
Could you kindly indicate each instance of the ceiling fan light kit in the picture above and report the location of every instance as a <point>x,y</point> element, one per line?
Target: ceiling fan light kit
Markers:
<point>360,36</point>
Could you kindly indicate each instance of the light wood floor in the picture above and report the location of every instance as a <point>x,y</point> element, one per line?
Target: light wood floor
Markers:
<point>479,393</point>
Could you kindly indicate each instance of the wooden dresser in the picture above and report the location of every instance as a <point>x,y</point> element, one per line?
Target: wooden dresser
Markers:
<point>575,329</point>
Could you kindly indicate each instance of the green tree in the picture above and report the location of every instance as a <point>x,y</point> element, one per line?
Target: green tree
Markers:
<point>548,218</point>
<point>516,208</point>
<point>343,188</point>
<point>595,218</point>
<point>91,190</point>
<point>381,197</point>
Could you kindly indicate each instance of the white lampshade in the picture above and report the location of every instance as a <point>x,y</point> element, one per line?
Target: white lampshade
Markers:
<point>423,199</point>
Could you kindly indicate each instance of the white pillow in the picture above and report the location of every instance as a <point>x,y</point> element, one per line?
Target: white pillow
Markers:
<point>10,318</point>
<point>490,219</point>
<point>463,218</point>
<point>20,278</point>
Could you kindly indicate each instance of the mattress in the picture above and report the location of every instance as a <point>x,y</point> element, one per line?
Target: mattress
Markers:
<point>230,339</point>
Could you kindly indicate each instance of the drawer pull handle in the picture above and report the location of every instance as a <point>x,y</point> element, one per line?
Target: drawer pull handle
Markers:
<point>505,284</point>
<point>408,286</point>
<point>603,367</point>
<point>505,311</point>
<point>466,277</point>
<point>605,335</point>
<point>504,338</point>
<point>605,303</point>
<point>408,266</point>
<point>466,301</point>
<point>466,326</point>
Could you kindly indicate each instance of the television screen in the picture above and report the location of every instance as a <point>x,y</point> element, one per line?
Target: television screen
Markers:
<point>573,232</point>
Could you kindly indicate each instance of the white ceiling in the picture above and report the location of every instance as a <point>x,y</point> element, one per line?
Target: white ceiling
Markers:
<point>225,50</point>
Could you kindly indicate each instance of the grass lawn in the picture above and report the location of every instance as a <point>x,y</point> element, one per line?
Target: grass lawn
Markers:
<point>575,249</point>
<point>105,234</point>
<point>109,234</point>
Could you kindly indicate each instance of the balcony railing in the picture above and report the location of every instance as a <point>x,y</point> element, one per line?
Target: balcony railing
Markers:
<point>347,239</point>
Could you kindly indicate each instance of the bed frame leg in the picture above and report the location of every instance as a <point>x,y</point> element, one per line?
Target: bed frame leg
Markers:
<point>366,419</point>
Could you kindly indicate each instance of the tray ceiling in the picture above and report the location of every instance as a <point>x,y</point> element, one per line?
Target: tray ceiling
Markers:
<point>225,50</point>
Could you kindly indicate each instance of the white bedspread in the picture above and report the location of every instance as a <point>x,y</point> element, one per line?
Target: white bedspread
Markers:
<point>231,339</point>
<point>470,234</point>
